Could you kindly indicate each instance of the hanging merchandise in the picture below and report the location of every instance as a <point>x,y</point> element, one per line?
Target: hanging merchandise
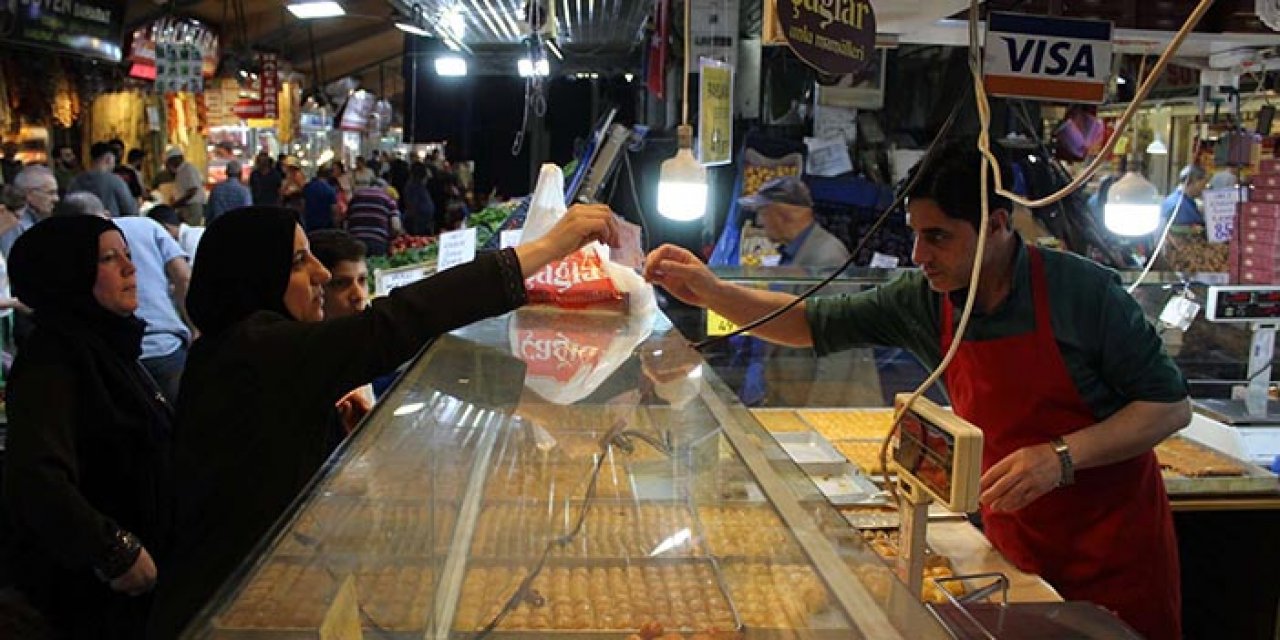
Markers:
<point>178,68</point>
<point>355,115</point>
<point>6,116</point>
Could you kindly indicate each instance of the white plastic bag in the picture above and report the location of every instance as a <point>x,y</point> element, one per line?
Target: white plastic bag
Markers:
<point>547,205</point>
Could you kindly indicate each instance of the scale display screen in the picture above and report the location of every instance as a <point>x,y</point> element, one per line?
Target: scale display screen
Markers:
<point>939,452</point>
<point>1244,303</point>
<point>927,452</point>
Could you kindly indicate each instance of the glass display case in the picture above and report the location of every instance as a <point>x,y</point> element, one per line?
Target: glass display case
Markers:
<point>539,475</point>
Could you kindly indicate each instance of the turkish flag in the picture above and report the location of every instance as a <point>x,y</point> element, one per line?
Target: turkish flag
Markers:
<point>656,63</point>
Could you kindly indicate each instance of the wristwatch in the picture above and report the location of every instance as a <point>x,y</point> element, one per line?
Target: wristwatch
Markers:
<point>1064,458</point>
<point>119,557</point>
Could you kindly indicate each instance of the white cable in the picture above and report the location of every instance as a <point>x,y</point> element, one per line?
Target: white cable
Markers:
<point>1159,246</point>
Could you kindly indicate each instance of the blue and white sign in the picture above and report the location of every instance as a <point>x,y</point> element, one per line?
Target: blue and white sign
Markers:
<point>1047,58</point>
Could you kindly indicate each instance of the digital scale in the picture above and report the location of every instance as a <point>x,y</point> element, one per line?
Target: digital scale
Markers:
<point>1256,416</point>
<point>938,457</point>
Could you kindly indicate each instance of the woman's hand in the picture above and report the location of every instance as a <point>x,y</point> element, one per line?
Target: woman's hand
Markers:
<point>140,578</point>
<point>582,224</point>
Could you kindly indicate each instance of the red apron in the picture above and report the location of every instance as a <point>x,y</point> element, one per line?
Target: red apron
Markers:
<point>1108,538</point>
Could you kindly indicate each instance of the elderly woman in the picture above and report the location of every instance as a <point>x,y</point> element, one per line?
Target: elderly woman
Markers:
<point>262,381</point>
<point>88,434</point>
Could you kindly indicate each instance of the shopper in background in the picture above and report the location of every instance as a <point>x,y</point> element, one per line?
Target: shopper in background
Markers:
<point>293,185</point>
<point>10,166</point>
<point>1059,368</point>
<point>131,172</point>
<point>265,374</point>
<point>40,190</point>
<point>373,218</point>
<point>1191,183</point>
<point>363,176</point>
<point>265,181</point>
<point>398,173</point>
<point>191,197</point>
<point>11,201</point>
<point>228,194</point>
<point>345,294</point>
<point>419,208</point>
<point>88,441</point>
<point>66,165</point>
<point>784,209</point>
<point>340,180</point>
<point>101,181</point>
<point>321,211</point>
<point>187,236</point>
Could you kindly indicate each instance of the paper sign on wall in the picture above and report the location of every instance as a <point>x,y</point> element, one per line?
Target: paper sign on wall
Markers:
<point>828,158</point>
<point>456,247</point>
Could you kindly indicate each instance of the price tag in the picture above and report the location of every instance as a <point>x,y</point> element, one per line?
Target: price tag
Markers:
<point>718,325</point>
<point>510,238</point>
<point>1220,213</point>
<point>342,620</point>
<point>386,280</point>
<point>456,247</point>
<point>881,261</point>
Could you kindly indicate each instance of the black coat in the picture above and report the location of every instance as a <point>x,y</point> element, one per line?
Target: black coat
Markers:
<point>255,406</point>
<point>87,455</point>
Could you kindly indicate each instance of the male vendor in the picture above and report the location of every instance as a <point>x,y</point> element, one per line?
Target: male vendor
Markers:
<point>1059,368</point>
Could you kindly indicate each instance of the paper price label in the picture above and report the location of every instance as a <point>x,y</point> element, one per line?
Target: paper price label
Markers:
<point>387,280</point>
<point>718,325</point>
<point>456,247</point>
<point>882,261</point>
<point>1220,213</point>
<point>510,238</point>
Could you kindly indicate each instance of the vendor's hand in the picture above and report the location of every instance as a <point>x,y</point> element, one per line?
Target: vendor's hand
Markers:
<point>139,579</point>
<point>1021,478</point>
<point>582,224</point>
<point>681,273</point>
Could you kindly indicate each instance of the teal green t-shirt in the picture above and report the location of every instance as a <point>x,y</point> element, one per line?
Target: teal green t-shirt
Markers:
<point>1112,353</point>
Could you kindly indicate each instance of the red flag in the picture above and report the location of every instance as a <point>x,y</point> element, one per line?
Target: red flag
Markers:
<point>656,69</point>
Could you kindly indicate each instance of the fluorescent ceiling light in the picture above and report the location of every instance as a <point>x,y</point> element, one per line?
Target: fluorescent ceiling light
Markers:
<point>410,28</point>
<point>551,44</point>
<point>451,66</point>
<point>526,67</point>
<point>309,10</point>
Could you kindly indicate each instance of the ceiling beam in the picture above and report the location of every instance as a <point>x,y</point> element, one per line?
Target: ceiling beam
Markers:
<point>302,50</point>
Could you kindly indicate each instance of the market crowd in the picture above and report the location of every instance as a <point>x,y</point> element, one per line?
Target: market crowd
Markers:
<point>172,381</point>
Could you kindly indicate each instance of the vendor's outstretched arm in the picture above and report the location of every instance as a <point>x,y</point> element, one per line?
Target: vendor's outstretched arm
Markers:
<point>684,276</point>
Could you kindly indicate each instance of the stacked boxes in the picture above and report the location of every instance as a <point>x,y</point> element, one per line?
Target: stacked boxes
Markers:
<point>1255,250</point>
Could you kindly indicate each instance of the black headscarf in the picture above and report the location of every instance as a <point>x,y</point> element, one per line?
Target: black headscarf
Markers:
<point>242,266</point>
<point>53,267</point>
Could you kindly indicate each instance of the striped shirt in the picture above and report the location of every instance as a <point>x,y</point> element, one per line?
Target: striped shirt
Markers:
<point>369,216</point>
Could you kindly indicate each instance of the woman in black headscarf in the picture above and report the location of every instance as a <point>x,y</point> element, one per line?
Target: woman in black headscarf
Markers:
<point>88,435</point>
<point>261,383</point>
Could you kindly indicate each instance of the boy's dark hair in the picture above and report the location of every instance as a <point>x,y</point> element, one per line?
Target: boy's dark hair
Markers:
<point>100,149</point>
<point>164,214</point>
<point>135,155</point>
<point>951,178</point>
<point>331,246</point>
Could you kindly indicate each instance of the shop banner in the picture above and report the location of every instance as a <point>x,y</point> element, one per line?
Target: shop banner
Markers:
<point>269,79</point>
<point>833,36</point>
<point>142,48</point>
<point>714,25</point>
<point>715,112</point>
<point>91,28</point>
<point>1038,58</point>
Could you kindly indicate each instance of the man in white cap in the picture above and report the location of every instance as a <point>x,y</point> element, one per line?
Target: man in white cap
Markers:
<point>191,196</point>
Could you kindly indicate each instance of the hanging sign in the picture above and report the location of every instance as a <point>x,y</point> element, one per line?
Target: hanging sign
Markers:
<point>91,28</point>
<point>178,68</point>
<point>713,25</point>
<point>715,112</point>
<point>833,36</point>
<point>1047,58</point>
<point>270,84</point>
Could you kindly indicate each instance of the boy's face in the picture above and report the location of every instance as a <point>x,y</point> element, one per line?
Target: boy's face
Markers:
<point>347,292</point>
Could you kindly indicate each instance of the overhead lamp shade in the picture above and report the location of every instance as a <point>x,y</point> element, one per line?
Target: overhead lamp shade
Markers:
<point>313,9</point>
<point>1133,206</point>
<point>682,185</point>
<point>527,67</point>
<point>1157,147</point>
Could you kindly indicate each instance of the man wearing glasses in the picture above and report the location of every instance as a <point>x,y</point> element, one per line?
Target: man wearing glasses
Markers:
<point>40,189</point>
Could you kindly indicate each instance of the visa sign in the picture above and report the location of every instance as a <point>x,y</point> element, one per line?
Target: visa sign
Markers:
<point>1047,58</point>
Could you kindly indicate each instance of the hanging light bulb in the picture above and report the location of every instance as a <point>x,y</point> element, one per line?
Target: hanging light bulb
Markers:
<point>1133,206</point>
<point>1157,147</point>
<point>682,187</point>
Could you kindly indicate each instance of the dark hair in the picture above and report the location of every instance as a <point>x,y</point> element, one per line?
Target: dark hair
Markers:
<point>418,171</point>
<point>331,246</point>
<point>13,198</point>
<point>164,214</point>
<point>950,179</point>
<point>136,155</point>
<point>116,143</point>
<point>1192,172</point>
<point>100,149</point>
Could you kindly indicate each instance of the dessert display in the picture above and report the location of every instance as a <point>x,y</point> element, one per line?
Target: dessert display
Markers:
<point>865,454</point>
<point>684,596</point>
<point>780,421</point>
<point>557,481</point>
<point>748,532</point>
<point>1182,457</point>
<point>351,526</point>
<point>626,530</point>
<point>885,543</point>
<point>285,595</point>
<point>775,596</point>
<point>858,424</point>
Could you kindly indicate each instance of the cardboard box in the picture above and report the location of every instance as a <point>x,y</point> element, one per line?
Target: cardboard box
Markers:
<point>1261,210</point>
<point>1256,249</point>
<point>1265,195</point>
<point>1258,276</point>
<point>1267,181</point>
<point>1269,166</point>
<point>1259,223</point>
